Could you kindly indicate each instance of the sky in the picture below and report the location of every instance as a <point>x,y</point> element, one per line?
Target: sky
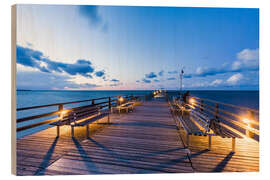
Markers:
<point>69,47</point>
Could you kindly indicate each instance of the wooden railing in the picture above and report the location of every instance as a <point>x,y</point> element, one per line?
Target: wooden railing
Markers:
<point>241,120</point>
<point>104,103</point>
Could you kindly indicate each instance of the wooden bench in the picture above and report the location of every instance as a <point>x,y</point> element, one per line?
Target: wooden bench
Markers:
<point>192,121</point>
<point>196,122</point>
<point>129,106</point>
<point>81,116</point>
<point>220,129</point>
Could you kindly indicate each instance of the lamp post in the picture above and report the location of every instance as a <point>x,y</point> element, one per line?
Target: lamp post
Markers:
<point>121,99</point>
<point>181,79</point>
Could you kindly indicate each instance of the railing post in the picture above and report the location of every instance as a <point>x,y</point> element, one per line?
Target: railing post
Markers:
<point>216,114</point>
<point>251,116</point>
<point>209,141</point>
<point>93,101</point>
<point>60,108</point>
<point>109,103</point>
<point>201,105</point>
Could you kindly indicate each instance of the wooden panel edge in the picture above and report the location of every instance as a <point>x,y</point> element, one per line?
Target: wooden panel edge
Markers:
<point>13,88</point>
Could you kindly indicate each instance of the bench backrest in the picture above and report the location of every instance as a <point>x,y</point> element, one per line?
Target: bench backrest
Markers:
<point>201,118</point>
<point>80,113</point>
<point>127,104</point>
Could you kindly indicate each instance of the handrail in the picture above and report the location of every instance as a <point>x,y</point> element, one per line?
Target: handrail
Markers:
<point>65,103</point>
<point>225,104</point>
<point>218,110</point>
<point>111,101</point>
<point>233,121</point>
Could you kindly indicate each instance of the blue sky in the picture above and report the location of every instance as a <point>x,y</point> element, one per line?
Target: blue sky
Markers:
<point>112,47</point>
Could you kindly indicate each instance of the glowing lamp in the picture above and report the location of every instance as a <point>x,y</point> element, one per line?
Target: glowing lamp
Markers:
<point>62,113</point>
<point>121,99</point>
<point>191,101</point>
<point>246,120</point>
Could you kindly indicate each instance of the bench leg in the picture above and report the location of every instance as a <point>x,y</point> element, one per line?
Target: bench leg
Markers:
<point>187,140</point>
<point>233,144</point>
<point>108,119</point>
<point>87,131</point>
<point>58,131</point>
<point>72,131</point>
<point>209,142</point>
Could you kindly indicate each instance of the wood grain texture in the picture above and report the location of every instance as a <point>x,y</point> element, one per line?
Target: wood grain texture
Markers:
<point>144,141</point>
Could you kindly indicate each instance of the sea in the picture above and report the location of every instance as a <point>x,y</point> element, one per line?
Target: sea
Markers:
<point>28,98</point>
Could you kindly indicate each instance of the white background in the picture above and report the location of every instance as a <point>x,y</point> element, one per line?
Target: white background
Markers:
<point>5,86</point>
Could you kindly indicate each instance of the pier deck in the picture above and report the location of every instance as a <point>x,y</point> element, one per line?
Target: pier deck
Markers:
<point>144,141</point>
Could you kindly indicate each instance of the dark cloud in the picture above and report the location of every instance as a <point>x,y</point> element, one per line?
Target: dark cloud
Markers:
<point>187,76</point>
<point>37,80</point>
<point>29,44</point>
<point>151,75</point>
<point>247,60</point>
<point>172,78</point>
<point>156,80</point>
<point>203,72</point>
<point>29,57</point>
<point>146,81</point>
<point>115,80</point>
<point>116,84</point>
<point>91,13</point>
<point>104,78</point>
<point>36,59</point>
<point>100,73</point>
<point>172,72</point>
<point>161,73</point>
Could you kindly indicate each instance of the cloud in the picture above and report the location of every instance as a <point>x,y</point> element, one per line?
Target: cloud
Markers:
<point>116,84</point>
<point>171,78</point>
<point>247,60</point>
<point>138,81</point>
<point>151,75</point>
<point>115,80</point>
<point>91,13</point>
<point>248,54</point>
<point>29,44</point>
<point>37,80</point>
<point>146,81</point>
<point>187,76</point>
<point>36,59</point>
<point>172,72</point>
<point>216,82</point>
<point>156,80</point>
<point>234,79</point>
<point>161,73</point>
<point>205,71</point>
<point>100,73</point>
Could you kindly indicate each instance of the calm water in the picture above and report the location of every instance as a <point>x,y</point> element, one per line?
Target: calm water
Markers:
<point>33,98</point>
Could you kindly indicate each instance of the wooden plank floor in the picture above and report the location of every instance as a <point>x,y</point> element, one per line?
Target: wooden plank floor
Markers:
<point>220,158</point>
<point>144,141</point>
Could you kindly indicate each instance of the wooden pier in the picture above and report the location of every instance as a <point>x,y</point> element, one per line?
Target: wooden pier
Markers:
<point>144,141</point>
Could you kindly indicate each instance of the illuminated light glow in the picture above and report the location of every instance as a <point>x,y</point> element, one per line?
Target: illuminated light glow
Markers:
<point>192,101</point>
<point>121,99</point>
<point>246,120</point>
<point>63,112</point>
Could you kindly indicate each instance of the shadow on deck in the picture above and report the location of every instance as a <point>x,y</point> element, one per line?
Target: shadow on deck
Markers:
<point>144,141</point>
